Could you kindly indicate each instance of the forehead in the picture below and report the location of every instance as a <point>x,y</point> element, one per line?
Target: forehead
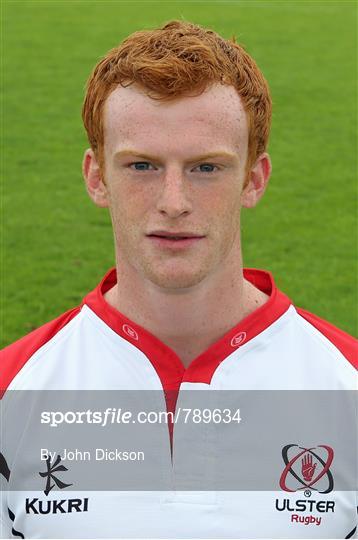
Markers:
<point>185,125</point>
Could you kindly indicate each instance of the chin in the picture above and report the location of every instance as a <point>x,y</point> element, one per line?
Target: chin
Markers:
<point>176,280</point>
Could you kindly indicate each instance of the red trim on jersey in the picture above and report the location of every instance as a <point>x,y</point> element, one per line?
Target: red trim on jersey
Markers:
<point>15,356</point>
<point>165,361</point>
<point>345,343</point>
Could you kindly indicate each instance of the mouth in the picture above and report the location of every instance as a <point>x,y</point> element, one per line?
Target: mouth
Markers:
<point>174,240</point>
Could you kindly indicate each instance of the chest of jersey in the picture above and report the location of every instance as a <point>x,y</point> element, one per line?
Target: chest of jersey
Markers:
<point>249,476</point>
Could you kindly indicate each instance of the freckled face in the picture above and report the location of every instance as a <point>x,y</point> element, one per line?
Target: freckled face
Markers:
<point>175,167</point>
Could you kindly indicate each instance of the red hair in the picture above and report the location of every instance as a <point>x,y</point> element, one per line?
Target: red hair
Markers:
<point>176,60</point>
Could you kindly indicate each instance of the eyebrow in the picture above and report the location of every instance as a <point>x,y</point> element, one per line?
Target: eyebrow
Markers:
<point>130,152</point>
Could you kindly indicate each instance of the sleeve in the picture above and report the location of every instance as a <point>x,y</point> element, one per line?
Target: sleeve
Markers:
<point>5,530</point>
<point>5,522</point>
<point>11,427</point>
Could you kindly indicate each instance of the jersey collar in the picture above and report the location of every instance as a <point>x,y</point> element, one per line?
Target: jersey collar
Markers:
<point>165,361</point>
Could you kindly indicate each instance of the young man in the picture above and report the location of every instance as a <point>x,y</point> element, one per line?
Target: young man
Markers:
<point>178,122</point>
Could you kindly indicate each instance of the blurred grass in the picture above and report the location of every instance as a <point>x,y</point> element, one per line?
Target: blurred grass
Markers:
<point>57,245</point>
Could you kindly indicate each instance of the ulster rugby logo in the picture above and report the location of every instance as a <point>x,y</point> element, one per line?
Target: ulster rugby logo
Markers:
<point>305,467</point>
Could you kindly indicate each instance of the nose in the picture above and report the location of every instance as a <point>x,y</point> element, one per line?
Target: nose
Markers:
<point>174,198</point>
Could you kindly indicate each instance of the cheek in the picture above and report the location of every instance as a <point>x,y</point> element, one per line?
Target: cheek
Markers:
<point>129,207</point>
<point>225,209</point>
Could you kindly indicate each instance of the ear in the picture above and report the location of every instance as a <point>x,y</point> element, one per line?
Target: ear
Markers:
<point>257,181</point>
<point>96,188</point>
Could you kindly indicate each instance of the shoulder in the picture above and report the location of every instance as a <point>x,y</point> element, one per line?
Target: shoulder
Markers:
<point>14,356</point>
<point>345,343</point>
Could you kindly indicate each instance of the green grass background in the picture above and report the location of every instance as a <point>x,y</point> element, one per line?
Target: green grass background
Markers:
<point>56,244</point>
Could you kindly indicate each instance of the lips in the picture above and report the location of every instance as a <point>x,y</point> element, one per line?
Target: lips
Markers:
<point>174,240</point>
<point>172,237</point>
<point>175,235</point>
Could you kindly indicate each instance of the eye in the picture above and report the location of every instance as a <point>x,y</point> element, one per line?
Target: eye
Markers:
<point>206,167</point>
<point>141,166</point>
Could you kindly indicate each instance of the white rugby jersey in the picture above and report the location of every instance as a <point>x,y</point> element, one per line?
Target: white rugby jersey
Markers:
<point>95,347</point>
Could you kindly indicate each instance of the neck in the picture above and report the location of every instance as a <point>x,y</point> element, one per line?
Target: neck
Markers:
<point>191,320</point>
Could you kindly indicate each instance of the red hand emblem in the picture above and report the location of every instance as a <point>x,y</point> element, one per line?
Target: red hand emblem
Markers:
<point>308,468</point>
